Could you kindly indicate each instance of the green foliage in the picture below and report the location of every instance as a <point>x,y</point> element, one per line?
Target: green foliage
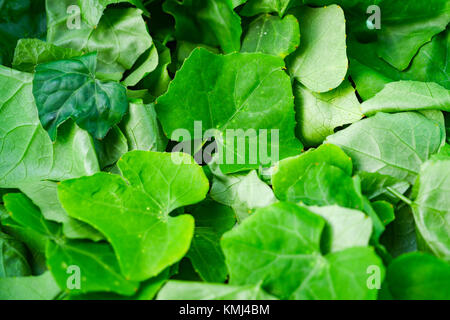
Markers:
<point>224,149</point>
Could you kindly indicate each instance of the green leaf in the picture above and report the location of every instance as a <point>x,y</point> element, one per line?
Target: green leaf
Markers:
<point>419,276</point>
<point>211,22</point>
<point>146,63</point>
<point>345,228</point>
<point>408,96</point>
<point>137,223</point>
<point>142,129</point>
<point>92,10</point>
<point>24,140</point>
<point>318,114</point>
<point>272,35</point>
<point>254,7</point>
<point>320,63</point>
<point>96,263</point>
<point>283,237</point>
<point>318,177</point>
<point>374,186</point>
<point>243,192</point>
<point>111,148</point>
<point>13,257</point>
<point>234,92</point>
<point>431,206</point>
<point>69,89</point>
<point>211,221</point>
<point>120,38</point>
<point>41,287</point>
<point>189,290</point>
<point>390,144</point>
<point>31,52</point>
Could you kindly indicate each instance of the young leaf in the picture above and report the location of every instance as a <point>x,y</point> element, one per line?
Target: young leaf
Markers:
<point>408,96</point>
<point>283,237</point>
<point>41,287</point>
<point>431,206</point>
<point>272,35</point>
<point>137,223</point>
<point>411,139</point>
<point>320,63</point>
<point>69,89</point>
<point>318,114</point>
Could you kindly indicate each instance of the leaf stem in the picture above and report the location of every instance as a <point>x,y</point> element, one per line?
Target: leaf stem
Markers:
<point>400,196</point>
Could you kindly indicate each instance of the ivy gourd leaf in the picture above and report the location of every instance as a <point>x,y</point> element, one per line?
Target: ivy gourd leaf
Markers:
<point>24,140</point>
<point>145,238</point>
<point>98,266</point>
<point>431,206</point>
<point>254,7</point>
<point>211,22</point>
<point>283,237</point>
<point>320,63</point>
<point>233,92</point>
<point>272,35</point>
<point>69,89</point>
<point>142,129</point>
<point>418,276</point>
<point>120,38</point>
<point>318,114</point>
<point>41,287</point>
<point>31,52</point>
<point>92,10</point>
<point>345,228</point>
<point>189,290</point>
<point>374,186</point>
<point>408,96</point>
<point>13,257</point>
<point>111,148</point>
<point>211,221</point>
<point>412,139</point>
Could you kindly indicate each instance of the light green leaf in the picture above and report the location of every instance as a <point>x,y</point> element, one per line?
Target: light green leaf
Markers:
<point>345,228</point>
<point>390,144</point>
<point>374,186</point>
<point>272,35</point>
<point>243,192</point>
<point>146,63</point>
<point>13,257</point>
<point>419,276</point>
<point>318,114</point>
<point>31,52</point>
<point>283,237</point>
<point>137,223</point>
<point>233,92</point>
<point>69,89</point>
<point>189,290</point>
<point>41,287</point>
<point>142,129</point>
<point>320,63</point>
<point>119,39</point>
<point>211,22</point>
<point>408,96</point>
<point>431,206</point>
